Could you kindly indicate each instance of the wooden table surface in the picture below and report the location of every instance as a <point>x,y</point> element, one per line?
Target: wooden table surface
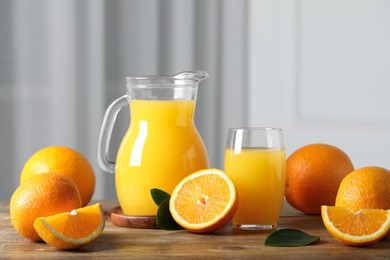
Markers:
<point>227,243</point>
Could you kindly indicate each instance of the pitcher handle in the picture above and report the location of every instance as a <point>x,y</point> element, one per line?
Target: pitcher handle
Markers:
<point>105,134</point>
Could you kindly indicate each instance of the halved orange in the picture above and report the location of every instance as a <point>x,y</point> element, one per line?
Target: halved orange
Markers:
<point>73,229</point>
<point>204,201</point>
<point>358,228</point>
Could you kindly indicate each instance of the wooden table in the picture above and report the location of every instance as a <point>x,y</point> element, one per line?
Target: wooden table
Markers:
<point>117,242</point>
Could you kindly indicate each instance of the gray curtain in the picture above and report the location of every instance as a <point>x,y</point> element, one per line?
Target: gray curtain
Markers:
<point>63,62</point>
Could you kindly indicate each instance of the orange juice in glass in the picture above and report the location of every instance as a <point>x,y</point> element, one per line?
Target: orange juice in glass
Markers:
<point>255,159</point>
<point>161,145</point>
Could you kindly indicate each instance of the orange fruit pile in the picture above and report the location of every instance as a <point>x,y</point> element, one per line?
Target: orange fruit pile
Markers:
<point>353,228</point>
<point>365,188</point>
<point>66,161</point>
<point>354,204</point>
<point>72,229</point>
<point>204,201</point>
<point>42,195</point>
<point>313,175</point>
<point>55,180</point>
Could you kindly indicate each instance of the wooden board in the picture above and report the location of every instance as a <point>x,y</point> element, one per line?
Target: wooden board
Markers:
<point>118,242</point>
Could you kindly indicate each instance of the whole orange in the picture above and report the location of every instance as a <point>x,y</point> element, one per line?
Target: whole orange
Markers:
<point>365,188</point>
<point>313,175</point>
<point>40,196</point>
<point>65,161</point>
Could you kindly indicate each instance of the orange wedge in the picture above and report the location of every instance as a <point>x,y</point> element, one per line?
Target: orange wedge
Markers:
<point>204,201</point>
<point>359,228</point>
<point>73,229</point>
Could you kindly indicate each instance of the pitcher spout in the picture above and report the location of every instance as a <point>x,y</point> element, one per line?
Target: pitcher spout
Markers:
<point>197,75</point>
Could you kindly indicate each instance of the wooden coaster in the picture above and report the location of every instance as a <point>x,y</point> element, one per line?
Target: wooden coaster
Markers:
<point>118,218</point>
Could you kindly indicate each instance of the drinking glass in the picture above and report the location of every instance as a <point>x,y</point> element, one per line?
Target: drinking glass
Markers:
<point>255,160</point>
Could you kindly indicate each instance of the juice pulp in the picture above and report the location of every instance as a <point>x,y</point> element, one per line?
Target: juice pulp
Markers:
<point>160,148</point>
<point>259,176</point>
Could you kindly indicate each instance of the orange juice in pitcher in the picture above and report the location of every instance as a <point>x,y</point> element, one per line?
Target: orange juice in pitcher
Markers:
<point>161,146</point>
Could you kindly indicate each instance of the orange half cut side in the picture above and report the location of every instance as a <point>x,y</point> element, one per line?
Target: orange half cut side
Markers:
<point>356,228</point>
<point>204,201</point>
<point>73,229</point>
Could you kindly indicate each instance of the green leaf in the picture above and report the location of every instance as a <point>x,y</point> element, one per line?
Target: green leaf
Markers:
<point>159,196</point>
<point>290,238</point>
<point>164,218</point>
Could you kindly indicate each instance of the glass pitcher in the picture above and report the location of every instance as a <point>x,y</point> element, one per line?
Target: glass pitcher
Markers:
<point>162,144</point>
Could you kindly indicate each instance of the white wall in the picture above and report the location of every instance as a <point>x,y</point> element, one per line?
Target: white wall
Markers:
<point>320,69</point>
<point>317,68</point>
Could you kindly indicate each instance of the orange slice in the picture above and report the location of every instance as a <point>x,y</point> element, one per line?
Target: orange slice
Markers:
<point>204,201</point>
<point>73,229</point>
<point>356,228</point>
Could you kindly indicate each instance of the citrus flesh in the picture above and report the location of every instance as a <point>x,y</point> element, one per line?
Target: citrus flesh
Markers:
<point>356,228</point>
<point>204,201</point>
<point>72,229</point>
